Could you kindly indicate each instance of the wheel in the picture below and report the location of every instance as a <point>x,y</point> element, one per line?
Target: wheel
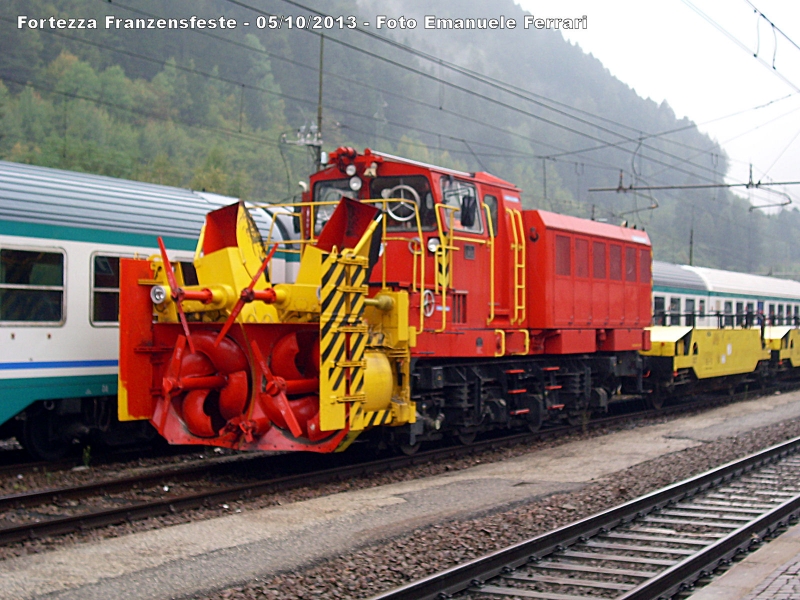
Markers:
<point>655,400</point>
<point>40,436</point>
<point>402,211</point>
<point>535,417</point>
<point>466,438</point>
<point>410,449</point>
<point>578,417</point>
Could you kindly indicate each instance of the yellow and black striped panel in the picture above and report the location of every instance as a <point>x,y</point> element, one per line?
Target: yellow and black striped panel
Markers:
<point>378,417</point>
<point>361,420</point>
<point>332,344</point>
<point>358,343</point>
<point>443,271</point>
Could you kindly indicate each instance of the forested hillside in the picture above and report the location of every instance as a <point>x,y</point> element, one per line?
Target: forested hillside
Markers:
<point>208,109</point>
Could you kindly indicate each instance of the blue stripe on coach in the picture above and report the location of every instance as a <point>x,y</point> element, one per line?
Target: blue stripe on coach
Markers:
<point>58,364</point>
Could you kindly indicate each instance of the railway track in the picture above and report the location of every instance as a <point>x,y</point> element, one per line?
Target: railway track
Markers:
<point>650,548</point>
<point>39,510</point>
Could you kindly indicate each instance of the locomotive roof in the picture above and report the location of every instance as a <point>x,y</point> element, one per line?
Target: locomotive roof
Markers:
<point>586,227</point>
<point>676,276</point>
<point>481,176</point>
<point>53,197</point>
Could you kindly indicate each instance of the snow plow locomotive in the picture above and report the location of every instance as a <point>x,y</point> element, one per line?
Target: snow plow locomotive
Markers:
<point>426,302</point>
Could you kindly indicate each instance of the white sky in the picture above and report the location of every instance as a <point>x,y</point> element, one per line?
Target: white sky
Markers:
<point>666,51</point>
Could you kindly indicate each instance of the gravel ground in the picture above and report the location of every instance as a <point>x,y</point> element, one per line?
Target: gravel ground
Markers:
<point>42,479</point>
<point>399,560</point>
<point>31,479</point>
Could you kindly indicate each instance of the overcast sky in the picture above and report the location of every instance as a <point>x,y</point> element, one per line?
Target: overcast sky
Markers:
<point>665,50</point>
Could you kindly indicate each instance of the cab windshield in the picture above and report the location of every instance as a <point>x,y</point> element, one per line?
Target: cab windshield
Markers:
<point>413,191</point>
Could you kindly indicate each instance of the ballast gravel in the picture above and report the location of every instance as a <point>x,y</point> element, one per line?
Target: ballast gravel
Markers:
<point>397,561</point>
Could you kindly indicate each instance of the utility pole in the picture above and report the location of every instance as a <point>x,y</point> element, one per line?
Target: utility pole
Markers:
<point>691,240</point>
<point>318,147</point>
<point>311,137</point>
<point>544,177</point>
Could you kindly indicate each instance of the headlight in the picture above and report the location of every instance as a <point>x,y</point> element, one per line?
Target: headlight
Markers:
<point>355,183</point>
<point>158,294</point>
<point>433,244</point>
<point>350,170</point>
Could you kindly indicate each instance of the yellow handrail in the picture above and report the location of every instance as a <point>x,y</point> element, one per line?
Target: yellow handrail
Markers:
<point>491,263</point>
<point>527,335</point>
<point>518,250</point>
<point>502,334</point>
<point>443,257</point>
<point>523,277</point>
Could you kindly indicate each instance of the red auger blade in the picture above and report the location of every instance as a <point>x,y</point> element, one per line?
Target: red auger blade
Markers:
<point>175,291</point>
<point>237,308</point>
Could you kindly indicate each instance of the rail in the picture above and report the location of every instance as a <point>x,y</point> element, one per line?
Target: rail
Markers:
<point>50,524</point>
<point>612,537</point>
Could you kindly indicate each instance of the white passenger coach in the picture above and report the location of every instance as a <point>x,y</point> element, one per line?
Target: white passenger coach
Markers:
<point>686,295</point>
<point>61,237</point>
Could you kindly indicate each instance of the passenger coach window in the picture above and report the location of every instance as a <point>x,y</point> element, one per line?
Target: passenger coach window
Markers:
<point>599,260</point>
<point>630,264</point>
<point>659,312</point>
<point>105,289</point>
<point>728,314</point>
<point>563,258</point>
<point>31,286</point>
<point>615,263</point>
<point>581,258</point>
<point>674,311</point>
<point>690,312</point>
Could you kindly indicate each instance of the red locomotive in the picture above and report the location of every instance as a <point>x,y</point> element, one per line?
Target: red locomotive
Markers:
<point>427,302</point>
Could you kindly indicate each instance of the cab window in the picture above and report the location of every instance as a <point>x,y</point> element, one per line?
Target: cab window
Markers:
<point>464,198</point>
<point>411,194</point>
<point>328,194</point>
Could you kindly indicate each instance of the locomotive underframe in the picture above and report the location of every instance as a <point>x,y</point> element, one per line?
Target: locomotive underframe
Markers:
<point>465,397</point>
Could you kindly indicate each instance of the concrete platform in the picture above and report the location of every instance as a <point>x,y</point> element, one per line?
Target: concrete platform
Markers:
<point>770,573</point>
<point>191,558</point>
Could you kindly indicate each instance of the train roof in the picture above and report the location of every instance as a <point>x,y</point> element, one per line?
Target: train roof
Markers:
<point>719,282</point>
<point>61,202</point>
<point>676,276</point>
<point>571,224</point>
<point>41,195</point>
<point>744,284</point>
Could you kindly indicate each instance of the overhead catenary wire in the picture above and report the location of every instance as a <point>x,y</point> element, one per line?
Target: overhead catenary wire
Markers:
<point>483,153</point>
<point>469,91</point>
<point>741,44</point>
<point>473,74</point>
<point>229,81</point>
<point>440,62</point>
